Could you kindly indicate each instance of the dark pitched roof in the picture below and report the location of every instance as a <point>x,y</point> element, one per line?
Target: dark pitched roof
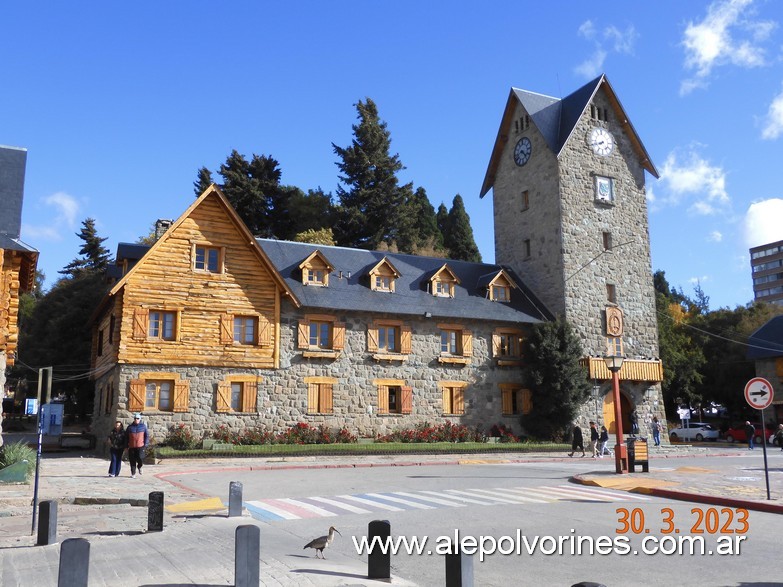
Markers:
<point>767,341</point>
<point>12,166</point>
<point>411,296</point>
<point>14,244</point>
<point>556,119</point>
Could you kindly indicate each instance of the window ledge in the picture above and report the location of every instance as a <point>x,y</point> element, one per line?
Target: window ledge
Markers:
<point>451,415</point>
<point>389,357</point>
<point>321,354</point>
<point>509,362</point>
<point>454,360</point>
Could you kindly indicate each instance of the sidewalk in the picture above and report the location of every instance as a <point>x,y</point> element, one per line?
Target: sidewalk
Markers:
<point>112,514</point>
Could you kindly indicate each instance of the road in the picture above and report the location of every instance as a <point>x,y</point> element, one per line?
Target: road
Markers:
<point>515,500</point>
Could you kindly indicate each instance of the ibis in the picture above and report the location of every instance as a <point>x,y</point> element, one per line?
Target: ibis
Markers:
<point>322,542</point>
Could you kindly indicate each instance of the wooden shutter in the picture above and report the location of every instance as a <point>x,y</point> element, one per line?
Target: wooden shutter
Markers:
<point>264,332</point>
<point>326,398</point>
<point>181,396</point>
<point>304,334</point>
<point>226,329</point>
<point>527,401</point>
<point>136,395</point>
<point>405,340</point>
<point>223,398</point>
<point>372,338</point>
<point>459,400</point>
<point>338,336</point>
<point>249,396</point>
<point>312,398</point>
<point>140,322</point>
<point>407,400</point>
<point>495,344</point>
<point>467,343</point>
<point>447,400</point>
<point>506,401</point>
<point>383,399</point>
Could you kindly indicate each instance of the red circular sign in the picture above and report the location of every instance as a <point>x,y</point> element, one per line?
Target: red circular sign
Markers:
<point>759,393</point>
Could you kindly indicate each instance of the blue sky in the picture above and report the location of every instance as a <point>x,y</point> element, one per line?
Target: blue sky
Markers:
<point>119,104</point>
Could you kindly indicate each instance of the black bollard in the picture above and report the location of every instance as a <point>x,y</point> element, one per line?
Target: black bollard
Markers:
<point>155,512</point>
<point>459,568</point>
<point>74,563</point>
<point>247,556</point>
<point>47,523</point>
<point>588,584</point>
<point>234,499</point>
<point>378,563</point>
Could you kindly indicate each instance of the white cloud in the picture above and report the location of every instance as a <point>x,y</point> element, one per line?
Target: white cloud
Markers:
<point>608,39</point>
<point>715,236</point>
<point>725,36</point>
<point>698,280</point>
<point>762,222</point>
<point>63,210</point>
<point>773,123</point>
<point>691,176</point>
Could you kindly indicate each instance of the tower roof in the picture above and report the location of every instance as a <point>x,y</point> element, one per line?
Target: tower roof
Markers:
<point>556,119</point>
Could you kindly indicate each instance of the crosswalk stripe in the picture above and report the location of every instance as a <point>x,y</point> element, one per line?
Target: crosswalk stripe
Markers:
<point>558,493</point>
<point>338,504</point>
<point>277,511</point>
<point>437,500</point>
<point>623,495</point>
<point>312,508</point>
<point>371,503</point>
<point>407,502</point>
<point>461,498</point>
<point>512,496</point>
<point>474,492</point>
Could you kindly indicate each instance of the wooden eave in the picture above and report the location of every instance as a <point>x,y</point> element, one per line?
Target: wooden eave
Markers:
<point>27,271</point>
<point>316,254</point>
<point>382,262</point>
<point>211,191</point>
<point>445,267</point>
<point>505,276</point>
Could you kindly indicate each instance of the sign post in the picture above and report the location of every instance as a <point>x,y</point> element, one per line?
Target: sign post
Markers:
<point>759,395</point>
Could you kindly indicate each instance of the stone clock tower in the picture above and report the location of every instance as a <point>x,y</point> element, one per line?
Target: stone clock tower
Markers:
<point>567,178</point>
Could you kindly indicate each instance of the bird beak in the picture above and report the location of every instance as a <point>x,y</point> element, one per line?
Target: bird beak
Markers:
<point>336,530</point>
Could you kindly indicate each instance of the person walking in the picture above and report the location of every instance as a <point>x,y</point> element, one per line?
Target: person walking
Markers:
<point>634,417</point>
<point>750,433</point>
<point>604,439</point>
<point>655,427</point>
<point>779,436</point>
<point>577,441</point>
<point>594,439</point>
<point>138,438</point>
<point>117,441</point>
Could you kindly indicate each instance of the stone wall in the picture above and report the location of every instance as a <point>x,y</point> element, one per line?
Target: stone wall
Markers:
<point>282,393</point>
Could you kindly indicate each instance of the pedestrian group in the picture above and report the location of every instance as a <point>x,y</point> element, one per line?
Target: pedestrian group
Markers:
<point>135,438</point>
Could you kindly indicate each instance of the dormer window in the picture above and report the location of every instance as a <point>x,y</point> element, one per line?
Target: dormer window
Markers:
<point>383,276</point>
<point>498,285</point>
<point>444,282</point>
<point>501,293</point>
<point>315,270</point>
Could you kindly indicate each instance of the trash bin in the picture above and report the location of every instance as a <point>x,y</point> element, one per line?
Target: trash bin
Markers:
<point>631,448</point>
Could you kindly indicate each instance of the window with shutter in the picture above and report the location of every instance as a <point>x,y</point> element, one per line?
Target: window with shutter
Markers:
<point>515,399</point>
<point>407,399</point>
<point>136,395</point>
<point>181,396</point>
<point>226,328</point>
<point>140,317</point>
<point>453,397</point>
<point>319,398</point>
<point>223,397</point>
<point>319,333</point>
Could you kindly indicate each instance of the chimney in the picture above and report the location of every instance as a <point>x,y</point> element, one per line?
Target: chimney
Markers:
<point>12,166</point>
<point>161,226</point>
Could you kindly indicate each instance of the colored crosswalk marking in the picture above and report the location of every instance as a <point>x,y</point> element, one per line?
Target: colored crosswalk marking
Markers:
<point>283,509</point>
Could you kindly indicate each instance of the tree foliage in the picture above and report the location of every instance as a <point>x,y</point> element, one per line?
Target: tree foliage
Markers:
<point>94,256</point>
<point>559,382</point>
<point>458,234</point>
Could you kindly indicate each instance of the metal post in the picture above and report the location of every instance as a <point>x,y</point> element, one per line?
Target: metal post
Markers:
<point>47,529</point>
<point>74,563</point>
<point>155,512</point>
<point>378,562</point>
<point>459,568</point>
<point>48,370</point>
<point>620,451</point>
<point>234,499</point>
<point>247,556</point>
<point>764,447</point>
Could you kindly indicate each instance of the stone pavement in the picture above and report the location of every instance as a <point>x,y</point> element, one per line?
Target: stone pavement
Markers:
<point>197,544</point>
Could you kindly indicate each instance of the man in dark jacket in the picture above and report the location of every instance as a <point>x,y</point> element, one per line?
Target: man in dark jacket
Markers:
<point>750,432</point>
<point>594,439</point>
<point>138,438</point>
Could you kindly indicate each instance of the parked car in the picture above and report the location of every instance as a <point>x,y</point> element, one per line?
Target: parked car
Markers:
<point>773,441</point>
<point>695,431</point>
<point>737,433</point>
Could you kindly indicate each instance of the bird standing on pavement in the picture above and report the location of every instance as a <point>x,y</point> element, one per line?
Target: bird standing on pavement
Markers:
<point>322,542</point>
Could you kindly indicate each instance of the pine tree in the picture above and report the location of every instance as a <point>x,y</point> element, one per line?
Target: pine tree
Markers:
<point>442,218</point>
<point>370,197</point>
<point>417,229</point>
<point>559,382</point>
<point>459,234</point>
<point>203,181</point>
<point>95,257</point>
<point>244,185</point>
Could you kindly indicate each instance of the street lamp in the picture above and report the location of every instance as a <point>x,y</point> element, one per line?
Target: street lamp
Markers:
<point>614,363</point>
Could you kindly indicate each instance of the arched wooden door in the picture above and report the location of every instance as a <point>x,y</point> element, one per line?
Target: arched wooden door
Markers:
<point>625,409</point>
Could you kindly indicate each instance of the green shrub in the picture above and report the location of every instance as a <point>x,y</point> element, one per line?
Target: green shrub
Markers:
<point>180,437</point>
<point>10,454</point>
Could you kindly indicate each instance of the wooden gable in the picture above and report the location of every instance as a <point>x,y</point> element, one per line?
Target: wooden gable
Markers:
<point>382,274</point>
<point>316,269</point>
<point>443,281</point>
<point>168,284</point>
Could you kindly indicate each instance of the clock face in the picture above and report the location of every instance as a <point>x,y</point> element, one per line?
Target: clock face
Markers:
<point>522,151</point>
<point>601,141</point>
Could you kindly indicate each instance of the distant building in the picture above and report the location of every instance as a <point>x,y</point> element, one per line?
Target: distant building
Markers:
<point>766,265</point>
<point>17,260</point>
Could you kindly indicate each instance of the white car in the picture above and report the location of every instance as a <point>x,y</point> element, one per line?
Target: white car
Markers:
<point>697,431</point>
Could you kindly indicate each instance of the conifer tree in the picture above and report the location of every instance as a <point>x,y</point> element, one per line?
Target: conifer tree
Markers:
<point>203,181</point>
<point>95,257</point>
<point>369,195</point>
<point>417,230</point>
<point>459,234</point>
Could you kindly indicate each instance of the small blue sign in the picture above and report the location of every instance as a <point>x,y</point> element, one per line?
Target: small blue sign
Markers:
<point>31,406</point>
